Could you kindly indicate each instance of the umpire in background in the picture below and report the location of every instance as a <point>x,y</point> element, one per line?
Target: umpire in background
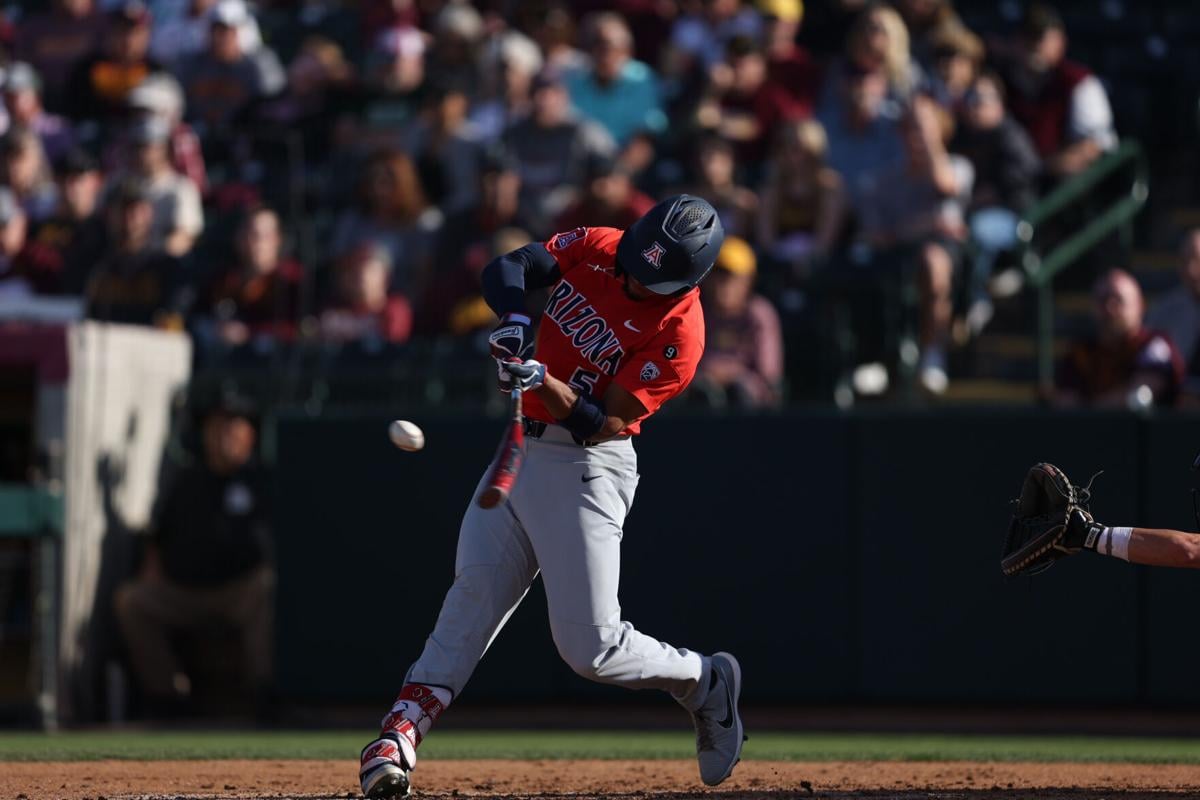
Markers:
<point>207,568</point>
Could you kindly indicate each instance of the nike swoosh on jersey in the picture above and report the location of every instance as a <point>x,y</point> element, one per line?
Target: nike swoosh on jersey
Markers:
<point>629,324</point>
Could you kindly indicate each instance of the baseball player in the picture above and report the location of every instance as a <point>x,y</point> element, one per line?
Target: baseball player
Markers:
<point>621,335</point>
<point>1052,521</point>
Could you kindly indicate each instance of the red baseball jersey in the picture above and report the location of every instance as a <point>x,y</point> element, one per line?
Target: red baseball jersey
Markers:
<point>593,333</point>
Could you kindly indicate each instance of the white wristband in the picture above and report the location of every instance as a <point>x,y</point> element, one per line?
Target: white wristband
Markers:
<point>1118,542</point>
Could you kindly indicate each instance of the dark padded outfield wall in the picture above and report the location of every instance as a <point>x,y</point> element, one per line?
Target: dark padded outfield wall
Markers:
<point>843,558</point>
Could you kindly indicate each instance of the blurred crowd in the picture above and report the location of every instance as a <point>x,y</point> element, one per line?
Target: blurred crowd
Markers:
<point>261,173</point>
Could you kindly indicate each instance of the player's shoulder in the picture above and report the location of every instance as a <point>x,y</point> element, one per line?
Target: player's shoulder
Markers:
<point>683,323</point>
<point>584,239</point>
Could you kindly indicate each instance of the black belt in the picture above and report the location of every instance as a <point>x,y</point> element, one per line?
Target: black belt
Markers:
<point>535,429</point>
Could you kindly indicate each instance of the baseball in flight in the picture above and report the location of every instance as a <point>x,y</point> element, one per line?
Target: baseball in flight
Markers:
<point>406,435</point>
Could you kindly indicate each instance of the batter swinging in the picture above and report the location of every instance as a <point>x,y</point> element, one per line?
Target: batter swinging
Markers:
<point>621,335</point>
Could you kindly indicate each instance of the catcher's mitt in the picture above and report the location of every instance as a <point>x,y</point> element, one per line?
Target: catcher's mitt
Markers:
<point>1051,521</point>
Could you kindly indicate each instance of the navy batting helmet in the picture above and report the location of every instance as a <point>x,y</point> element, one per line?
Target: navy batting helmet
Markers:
<point>673,246</point>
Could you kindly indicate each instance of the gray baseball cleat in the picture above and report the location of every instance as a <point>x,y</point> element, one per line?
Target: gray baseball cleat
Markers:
<point>719,733</point>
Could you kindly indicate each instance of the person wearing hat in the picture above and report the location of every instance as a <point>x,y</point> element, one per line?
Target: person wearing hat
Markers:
<point>23,102</point>
<point>1061,103</point>
<point>743,358</point>
<point>207,565</point>
<point>609,198</point>
<point>73,235</point>
<point>54,38</point>
<point>134,282</point>
<point>160,95</point>
<point>514,61</point>
<point>99,86</point>
<point>226,79</point>
<point>178,213</point>
<point>789,65</point>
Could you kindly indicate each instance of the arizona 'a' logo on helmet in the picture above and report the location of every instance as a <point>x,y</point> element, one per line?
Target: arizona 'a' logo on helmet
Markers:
<point>653,254</point>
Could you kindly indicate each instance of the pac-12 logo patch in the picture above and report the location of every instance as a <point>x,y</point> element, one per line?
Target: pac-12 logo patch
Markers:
<point>650,372</point>
<point>670,351</point>
<point>653,254</point>
<point>567,238</point>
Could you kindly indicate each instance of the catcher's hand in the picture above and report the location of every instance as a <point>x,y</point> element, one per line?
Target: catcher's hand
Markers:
<point>1051,521</point>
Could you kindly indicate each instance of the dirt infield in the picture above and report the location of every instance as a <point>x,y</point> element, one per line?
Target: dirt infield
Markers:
<point>579,780</point>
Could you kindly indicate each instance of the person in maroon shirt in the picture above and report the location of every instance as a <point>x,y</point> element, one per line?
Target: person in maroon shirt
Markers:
<point>1060,103</point>
<point>1123,364</point>
<point>259,294</point>
<point>788,64</point>
<point>362,309</point>
<point>54,40</point>
<point>610,200</point>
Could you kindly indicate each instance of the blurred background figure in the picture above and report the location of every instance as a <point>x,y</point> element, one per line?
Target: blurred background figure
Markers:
<point>99,85</point>
<point>789,65</point>
<point>609,198</point>
<point>160,96</point>
<point>1061,103</point>
<point>803,203</point>
<point>742,365</point>
<point>73,235</point>
<point>135,281</point>
<point>23,105</point>
<point>715,180</point>
<point>178,212</point>
<point>53,38</point>
<point>1177,313</point>
<point>206,571</point>
<point>550,150</point>
<point>28,174</point>
<point>20,276</point>
<point>361,307</point>
<point>514,62</point>
<point>1123,363</point>
<point>258,294</point>
<point>445,147</point>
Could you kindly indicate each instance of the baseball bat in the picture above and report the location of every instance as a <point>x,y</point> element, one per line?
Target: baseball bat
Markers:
<point>503,472</point>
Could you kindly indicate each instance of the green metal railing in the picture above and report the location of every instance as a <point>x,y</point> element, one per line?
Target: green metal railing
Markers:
<point>1041,267</point>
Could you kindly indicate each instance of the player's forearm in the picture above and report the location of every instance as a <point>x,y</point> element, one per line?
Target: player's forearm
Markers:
<point>1164,548</point>
<point>506,278</point>
<point>560,400</point>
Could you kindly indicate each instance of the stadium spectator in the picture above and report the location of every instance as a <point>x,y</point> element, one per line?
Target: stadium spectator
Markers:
<point>747,106</point>
<point>458,31</point>
<point>258,295</point>
<point>910,214</point>
<point>445,147</point>
<point>698,39</point>
<point>878,42</point>
<point>99,85</point>
<point>225,81</point>
<point>609,199</point>
<point>465,245</point>
<point>28,174</point>
<point>957,56</point>
<point>788,64</point>
<point>1122,363</point>
<point>555,35</point>
<point>20,276</point>
<point>395,71</point>
<point>160,95</point>
<point>1177,313</point>
<point>1061,103</point>
<point>715,181</point>
<point>394,214</point>
<point>1006,175</point>
<point>54,40</point>
<point>134,282</point>
<point>178,213</point>
<point>73,235</point>
<point>362,309</point>
<point>206,571</point>
<point>550,150</point>
<point>515,62</point>
<point>803,203</point>
<point>743,358</point>
<point>23,104</point>
<point>928,23</point>
<point>616,91</point>
<point>183,36</point>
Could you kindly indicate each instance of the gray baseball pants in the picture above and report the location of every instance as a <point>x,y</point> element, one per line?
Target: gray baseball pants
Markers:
<point>563,518</point>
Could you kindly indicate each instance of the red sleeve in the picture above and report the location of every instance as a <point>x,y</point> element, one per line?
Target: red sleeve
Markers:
<point>580,245</point>
<point>664,367</point>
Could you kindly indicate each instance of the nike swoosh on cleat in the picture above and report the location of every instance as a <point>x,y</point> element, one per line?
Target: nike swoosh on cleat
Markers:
<point>728,721</point>
<point>629,324</point>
